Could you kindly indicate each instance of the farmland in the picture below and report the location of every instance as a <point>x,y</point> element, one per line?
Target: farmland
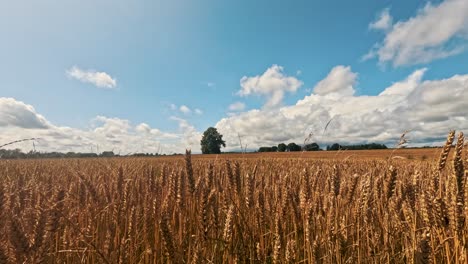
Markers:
<point>385,206</point>
<point>408,154</point>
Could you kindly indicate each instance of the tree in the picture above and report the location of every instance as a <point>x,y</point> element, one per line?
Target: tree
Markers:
<point>335,146</point>
<point>294,147</point>
<point>282,147</point>
<point>312,147</point>
<point>107,154</point>
<point>212,141</point>
<point>268,149</point>
<point>264,149</point>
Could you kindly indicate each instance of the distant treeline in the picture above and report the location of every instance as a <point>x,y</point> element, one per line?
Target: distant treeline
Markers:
<point>337,146</point>
<point>290,148</point>
<point>18,154</point>
<point>315,147</point>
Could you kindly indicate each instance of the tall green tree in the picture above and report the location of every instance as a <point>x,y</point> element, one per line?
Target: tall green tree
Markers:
<point>293,147</point>
<point>335,146</point>
<point>282,147</point>
<point>212,141</point>
<point>312,147</point>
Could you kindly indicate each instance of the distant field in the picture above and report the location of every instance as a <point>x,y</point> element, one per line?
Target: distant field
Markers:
<point>411,154</point>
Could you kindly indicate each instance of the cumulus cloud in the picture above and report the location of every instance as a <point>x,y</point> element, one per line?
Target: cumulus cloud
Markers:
<point>18,114</point>
<point>237,106</point>
<point>184,109</point>
<point>190,136</point>
<point>339,82</point>
<point>98,79</point>
<point>144,128</point>
<point>429,108</point>
<point>383,22</point>
<point>407,86</point>
<point>272,84</point>
<point>19,120</point>
<point>437,31</point>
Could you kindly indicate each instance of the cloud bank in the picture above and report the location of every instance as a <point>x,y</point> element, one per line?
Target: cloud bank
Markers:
<point>20,120</point>
<point>428,108</point>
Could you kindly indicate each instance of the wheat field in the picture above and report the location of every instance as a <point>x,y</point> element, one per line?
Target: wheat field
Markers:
<point>236,210</point>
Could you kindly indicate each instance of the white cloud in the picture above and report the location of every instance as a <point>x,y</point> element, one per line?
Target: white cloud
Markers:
<point>19,121</point>
<point>340,82</point>
<point>99,79</point>
<point>190,136</point>
<point>146,129</point>
<point>437,31</point>
<point>184,109</point>
<point>237,106</point>
<point>143,128</point>
<point>407,86</point>
<point>273,84</point>
<point>18,114</point>
<point>384,22</point>
<point>429,108</point>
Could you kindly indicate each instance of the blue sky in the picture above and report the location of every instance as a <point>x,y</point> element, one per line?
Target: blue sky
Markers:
<point>158,56</point>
